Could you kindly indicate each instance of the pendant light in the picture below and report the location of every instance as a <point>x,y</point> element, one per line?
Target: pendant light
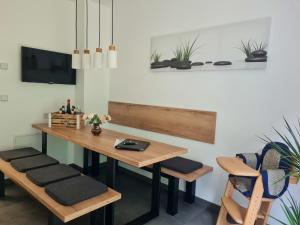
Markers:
<point>98,53</point>
<point>76,58</point>
<point>86,57</point>
<point>112,51</point>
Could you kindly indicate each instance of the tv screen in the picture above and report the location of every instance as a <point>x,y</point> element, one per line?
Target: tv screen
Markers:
<point>40,66</point>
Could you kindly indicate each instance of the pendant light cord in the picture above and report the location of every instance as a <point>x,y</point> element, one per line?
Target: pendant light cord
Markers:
<point>87,25</point>
<point>76,25</point>
<point>112,22</point>
<point>99,23</point>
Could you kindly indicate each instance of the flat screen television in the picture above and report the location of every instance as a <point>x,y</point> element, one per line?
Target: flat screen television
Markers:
<point>41,66</point>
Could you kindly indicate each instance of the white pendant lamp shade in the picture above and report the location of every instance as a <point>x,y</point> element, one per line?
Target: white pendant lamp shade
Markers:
<point>98,58</point>
<point>112,57</point>
<point>86,59</point>
<point>76,60</point>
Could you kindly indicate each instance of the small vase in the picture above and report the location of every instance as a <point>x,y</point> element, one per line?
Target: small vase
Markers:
<point>96,129</point>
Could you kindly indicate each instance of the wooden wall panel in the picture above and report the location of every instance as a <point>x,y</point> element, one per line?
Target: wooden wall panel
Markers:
<point>186,123</point>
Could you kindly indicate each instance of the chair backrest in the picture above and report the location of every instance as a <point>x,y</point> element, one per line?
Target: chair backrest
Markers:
<point>274,168</point>
<point>270,158</point>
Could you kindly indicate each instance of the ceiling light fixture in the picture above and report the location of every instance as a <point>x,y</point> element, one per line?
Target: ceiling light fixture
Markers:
<point>86,58</point>
<point>112,51</point>
<point>76,58</point>
<point>98,53</point>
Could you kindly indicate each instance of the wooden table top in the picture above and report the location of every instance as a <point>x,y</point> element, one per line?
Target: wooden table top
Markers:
<point>104,144</point>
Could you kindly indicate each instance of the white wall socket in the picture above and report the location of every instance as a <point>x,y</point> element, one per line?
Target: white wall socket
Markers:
<point>3,66</point>
<point>3,98</point>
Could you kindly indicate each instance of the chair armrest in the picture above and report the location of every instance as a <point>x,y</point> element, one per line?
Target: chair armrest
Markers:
<point>236,167</point>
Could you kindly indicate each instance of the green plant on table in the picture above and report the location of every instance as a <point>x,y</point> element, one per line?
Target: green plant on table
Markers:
<point>291,209</point>
<point>95,119</point>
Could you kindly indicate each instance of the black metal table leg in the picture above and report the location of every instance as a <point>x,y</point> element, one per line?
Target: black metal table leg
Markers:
<point>173,193</point>
<point>53,220</point>
<point>95,164</point>
<point>97,217</point>
<point>2,185</point>
<point>111,182</point>
<point>85,170</point>
<point>190,188</point>
<point>44,143</point>
<point>155,198</point>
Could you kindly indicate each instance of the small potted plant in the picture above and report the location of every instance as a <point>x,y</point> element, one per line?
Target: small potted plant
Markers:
<point>184,54</point>
<point>254,52</point>
<point>156,61</point>
<point>96,121</point>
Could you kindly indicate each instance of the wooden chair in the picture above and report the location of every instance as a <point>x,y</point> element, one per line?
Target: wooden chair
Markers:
<point>261,178</point>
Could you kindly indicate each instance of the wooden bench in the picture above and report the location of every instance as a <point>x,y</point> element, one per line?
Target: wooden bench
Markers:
<point>173,185</point>
<point>59,214</point>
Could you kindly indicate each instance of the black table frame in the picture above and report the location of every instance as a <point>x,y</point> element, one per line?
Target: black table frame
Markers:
<point>111,182</point>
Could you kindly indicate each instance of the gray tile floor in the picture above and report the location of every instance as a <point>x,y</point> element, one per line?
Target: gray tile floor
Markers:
<point>18,208</point>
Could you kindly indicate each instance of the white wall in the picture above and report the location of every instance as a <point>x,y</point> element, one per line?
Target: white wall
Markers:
<point>40,24</point>
<point>248,103</point>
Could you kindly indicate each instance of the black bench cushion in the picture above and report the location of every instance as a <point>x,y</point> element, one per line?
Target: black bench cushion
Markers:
<point>51,174</point>
<point>182,165</point>
<point>34,162</point>
<point>18,153</point>
<point>74,190</point>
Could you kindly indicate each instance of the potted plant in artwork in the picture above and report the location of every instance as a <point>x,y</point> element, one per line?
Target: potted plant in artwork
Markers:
<point>156,61</point>
<point>184,53</point>
<point>255,52</point>
<point>96,121</point>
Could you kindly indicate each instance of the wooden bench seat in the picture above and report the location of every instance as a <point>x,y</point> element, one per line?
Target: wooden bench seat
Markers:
<point>173,185</point>
<point>190,177</point>
<point>63,213</point>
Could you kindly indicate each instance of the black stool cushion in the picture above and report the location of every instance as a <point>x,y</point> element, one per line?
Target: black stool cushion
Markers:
<point>18,154</point>
<point>51,174</point>
<point>34,162</point>
<point>182,165</point>
<point>74,190</point>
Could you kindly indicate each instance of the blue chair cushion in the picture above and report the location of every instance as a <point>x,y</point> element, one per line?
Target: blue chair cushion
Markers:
<point>51,174</point>
<point>74,190</point>
<point>182,165</point>
<point>34,162</point>
<point>18,154</point>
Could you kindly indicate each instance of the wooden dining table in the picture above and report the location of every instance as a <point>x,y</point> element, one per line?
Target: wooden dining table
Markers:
<point>104,144</point>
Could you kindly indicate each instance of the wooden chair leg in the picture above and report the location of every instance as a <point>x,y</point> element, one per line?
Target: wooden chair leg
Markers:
<point>255,202</point>
<point>222,218</point>
<point>265,209</point>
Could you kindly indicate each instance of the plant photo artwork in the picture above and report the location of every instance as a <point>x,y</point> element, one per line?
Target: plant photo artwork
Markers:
<point>237,46</point>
